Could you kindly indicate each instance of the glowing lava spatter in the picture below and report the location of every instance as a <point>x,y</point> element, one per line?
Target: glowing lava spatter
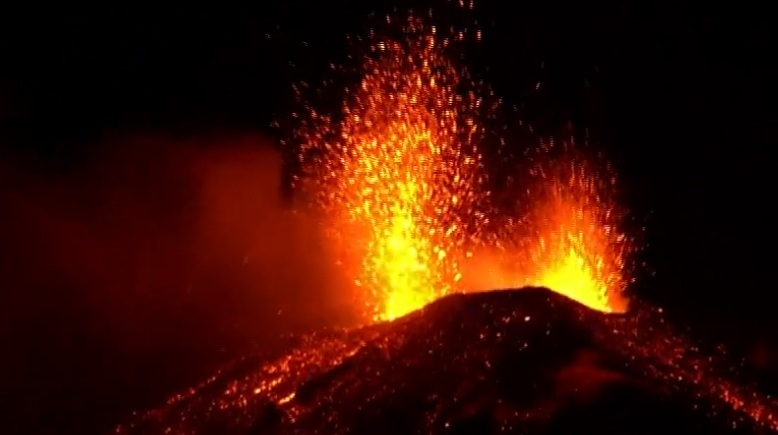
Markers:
<point>398,172</point>
<point>399,178</point>
<point>570,238</point>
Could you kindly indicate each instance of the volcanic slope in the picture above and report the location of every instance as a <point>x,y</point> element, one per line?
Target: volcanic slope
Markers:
<point>508,361</point>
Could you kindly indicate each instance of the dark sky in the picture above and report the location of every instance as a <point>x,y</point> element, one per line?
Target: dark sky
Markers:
<point>679,97</point>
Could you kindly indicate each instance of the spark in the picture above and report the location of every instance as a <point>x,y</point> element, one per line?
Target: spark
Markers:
<point>397,175</point>
<point>400,177</point>
<point>569,236</point>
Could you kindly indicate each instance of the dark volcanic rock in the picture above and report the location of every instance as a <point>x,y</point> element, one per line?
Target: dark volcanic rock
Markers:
<point>512,361</point>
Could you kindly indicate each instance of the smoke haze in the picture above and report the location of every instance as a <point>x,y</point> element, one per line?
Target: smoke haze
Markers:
<point>129,274</point>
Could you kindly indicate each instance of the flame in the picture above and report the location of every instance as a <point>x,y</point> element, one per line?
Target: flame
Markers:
<point>400,179</point>
<point>398,172</point>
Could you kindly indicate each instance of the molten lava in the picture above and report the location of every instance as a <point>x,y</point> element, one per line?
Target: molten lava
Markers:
<point>569,238</point>
<point>399,177</point>
<point>398,173</point>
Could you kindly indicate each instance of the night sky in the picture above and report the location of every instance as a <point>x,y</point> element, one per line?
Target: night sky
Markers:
<point>678,96</point>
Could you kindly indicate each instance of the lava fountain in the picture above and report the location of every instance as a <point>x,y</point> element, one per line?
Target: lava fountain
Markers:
<point>397,174</point>
<point>567,230</point>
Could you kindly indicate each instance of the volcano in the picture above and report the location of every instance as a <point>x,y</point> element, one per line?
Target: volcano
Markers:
<point>510,361</point>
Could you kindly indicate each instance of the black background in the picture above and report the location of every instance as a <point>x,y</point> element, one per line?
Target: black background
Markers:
<point>677,95</point>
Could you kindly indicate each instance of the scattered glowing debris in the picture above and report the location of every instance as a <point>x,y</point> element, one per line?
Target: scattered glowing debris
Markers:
<point>570,238</point>
<point>400,179</point>
<point>397,175</point>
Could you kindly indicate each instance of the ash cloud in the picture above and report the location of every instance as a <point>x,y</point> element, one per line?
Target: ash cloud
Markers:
<point>139,266</point>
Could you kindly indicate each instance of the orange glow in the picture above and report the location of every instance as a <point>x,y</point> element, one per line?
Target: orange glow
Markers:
<point>580,242</point>
<point>400,180</point>
<point>397,173</point>
<point>570,237</point>
<point>571,276</point>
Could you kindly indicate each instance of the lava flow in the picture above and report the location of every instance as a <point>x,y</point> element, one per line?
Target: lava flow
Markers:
<point>397,175</point>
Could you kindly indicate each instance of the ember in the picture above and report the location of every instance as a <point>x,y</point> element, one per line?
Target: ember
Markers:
<point>398,175</point>
<point>569,237</point>
<point>401,181</point>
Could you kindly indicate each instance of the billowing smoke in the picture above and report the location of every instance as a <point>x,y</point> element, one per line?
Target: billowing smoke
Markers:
<point>135,267</point>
